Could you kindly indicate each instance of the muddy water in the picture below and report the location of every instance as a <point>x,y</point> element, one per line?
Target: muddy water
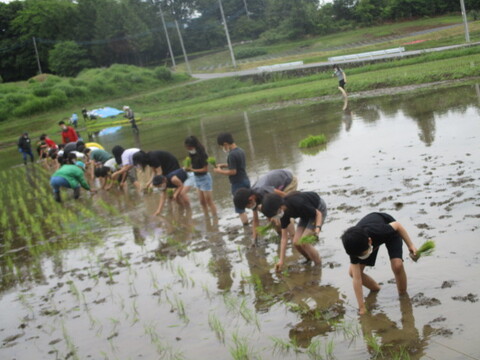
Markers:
<point>187,286</point>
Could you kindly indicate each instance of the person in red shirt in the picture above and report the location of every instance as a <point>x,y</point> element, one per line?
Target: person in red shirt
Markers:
<point>49,142</point>
<point>68,133</point>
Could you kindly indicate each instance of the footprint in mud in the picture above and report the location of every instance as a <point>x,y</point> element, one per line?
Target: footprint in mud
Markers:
<point>421,300</point>
<point>473,298</point>
<point>9,341</point>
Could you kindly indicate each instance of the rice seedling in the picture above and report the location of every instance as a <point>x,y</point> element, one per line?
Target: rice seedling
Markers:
<point>374,344</point>
<point>401,354</point>
<point>217,327</point>
<point>285,346</point>
<point>314,350</point>
<point>70,345</point>
<point>308,239</point>
<point>264,230</point>
<point>312,140</point>
<point>240,349</point>
<point>424,250</point>
<point>170,192</point>
<point>180,306</point>
<point>187,162</point>
<point>212,161</point>
<point>329,347</point>
<point>350,330</point>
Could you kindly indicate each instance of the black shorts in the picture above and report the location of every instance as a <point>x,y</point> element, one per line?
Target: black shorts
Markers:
<point>394,247</point>
<point>341,83</point>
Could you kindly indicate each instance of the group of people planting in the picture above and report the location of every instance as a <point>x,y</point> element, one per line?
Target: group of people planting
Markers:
<point>274,194</point>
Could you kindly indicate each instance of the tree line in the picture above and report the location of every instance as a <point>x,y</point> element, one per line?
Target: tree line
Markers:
<point>71,35</point>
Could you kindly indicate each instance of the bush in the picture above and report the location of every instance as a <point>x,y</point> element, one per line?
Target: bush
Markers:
<point>162,73</point>
<point>67,58</point>
<point>6,108</point>
<point>17,99</point>
<point>42,91</point>
<point>249,52</point>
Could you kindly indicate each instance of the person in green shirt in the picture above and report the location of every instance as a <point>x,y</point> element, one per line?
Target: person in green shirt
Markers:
<point>71,177</point>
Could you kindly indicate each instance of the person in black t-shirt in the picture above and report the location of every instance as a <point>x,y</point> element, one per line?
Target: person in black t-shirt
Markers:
<point>202,178</point>
<point>162,162</point>
<point>312,211</point>
<point>235,168</point>
<point>362,241</point>
<point>175,180</point>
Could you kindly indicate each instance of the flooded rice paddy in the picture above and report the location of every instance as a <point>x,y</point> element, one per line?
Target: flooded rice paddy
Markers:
<point>100,278</point>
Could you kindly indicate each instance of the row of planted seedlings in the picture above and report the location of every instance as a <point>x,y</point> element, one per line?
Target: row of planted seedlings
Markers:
<point>33,224</point>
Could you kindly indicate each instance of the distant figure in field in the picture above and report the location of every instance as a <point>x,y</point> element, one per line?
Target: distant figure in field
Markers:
<point>74,120</point>
<point>131,117</point>
<point>25,147</point>
<point>362,242</point>
<point>342,79</point>
<point>68,133</point>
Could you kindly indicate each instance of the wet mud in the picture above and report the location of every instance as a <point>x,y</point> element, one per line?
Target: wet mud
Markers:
<point>190,286</point>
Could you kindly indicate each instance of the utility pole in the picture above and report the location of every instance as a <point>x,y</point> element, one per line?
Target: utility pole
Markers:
<point>168,39</point>
<point>226,33</point>
<point>465,22</point>
<point>183,48</point>
<point>36,54</point>
<point>246,8</point>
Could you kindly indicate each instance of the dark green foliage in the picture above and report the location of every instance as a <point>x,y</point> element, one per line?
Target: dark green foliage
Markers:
<point>249,52</point>
<point>162,73</point>
<point>68,59</point>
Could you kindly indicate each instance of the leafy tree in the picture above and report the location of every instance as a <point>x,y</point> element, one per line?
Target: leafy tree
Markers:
<point>68,59</point>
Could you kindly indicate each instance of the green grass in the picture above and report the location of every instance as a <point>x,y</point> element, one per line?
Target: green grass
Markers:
<point>160,100</point>
<point>312,140</point>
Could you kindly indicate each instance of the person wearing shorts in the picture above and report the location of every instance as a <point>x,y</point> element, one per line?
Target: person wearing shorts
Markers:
<point>124,157</point>
<point>175,180</point>
<point>281,182</point>
<point>342,79</point>
<point>311,210</point>
<point>235,169</point>
<point>361,243</point>
<point>202,178</point>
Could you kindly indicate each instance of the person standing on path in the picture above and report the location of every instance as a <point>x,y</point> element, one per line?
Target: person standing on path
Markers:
<point>235,169</point>
<point>342,79</point>
<point>25,147</point>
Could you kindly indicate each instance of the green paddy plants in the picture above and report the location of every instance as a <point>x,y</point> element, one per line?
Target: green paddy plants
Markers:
<point>312,140</point>
<point>212,161</point>
<point>308,239</point>
<point>424,250</point>
<point>187,162</point>
<point>265,229</point>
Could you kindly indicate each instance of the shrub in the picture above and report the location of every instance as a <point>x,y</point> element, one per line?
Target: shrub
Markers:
<point>42,90</point>
<point>162,73</point>
<point>249,52</point>
<point>6,108</point>
<point>67,58</point>
<point>17,99</point>
<point>66,89</point>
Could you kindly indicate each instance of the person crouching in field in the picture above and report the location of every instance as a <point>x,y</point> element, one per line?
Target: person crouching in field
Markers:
<point>362,242</point>
<point>279,181</point>
<point>71,177</point>
<point>176,180</point>
<point>312,211</point>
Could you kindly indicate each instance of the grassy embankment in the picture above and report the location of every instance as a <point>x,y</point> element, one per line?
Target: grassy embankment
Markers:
<point>316,49</point>
<point>158,98</point>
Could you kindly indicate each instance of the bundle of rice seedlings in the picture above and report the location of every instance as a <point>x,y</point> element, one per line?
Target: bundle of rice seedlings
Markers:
<point>312,140</point>
<point>309,239</point>
<point>424,250</point>
<point>212,161</point>
<point>170,192</point>
<point>263,230</point>
<point>187,163</point>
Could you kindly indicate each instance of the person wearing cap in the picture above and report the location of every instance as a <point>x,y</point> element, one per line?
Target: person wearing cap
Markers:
<point>176,180</point>
<point>25,147</point>
<point>312,211</point>
<point>280,181</point>
<point>70,177</point>
<point>68,133</point>
<point>131,117</point>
